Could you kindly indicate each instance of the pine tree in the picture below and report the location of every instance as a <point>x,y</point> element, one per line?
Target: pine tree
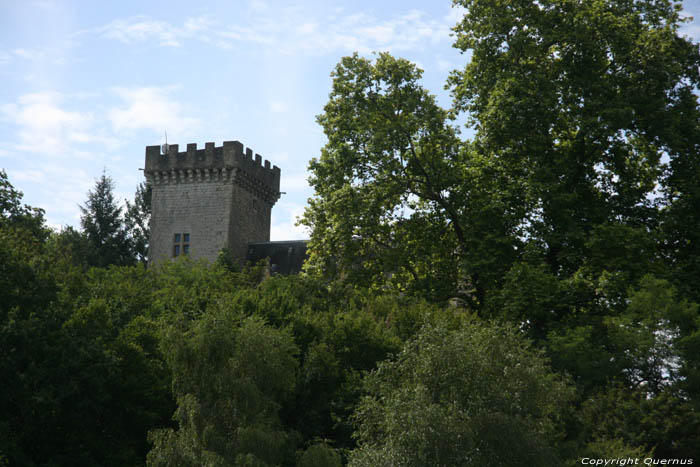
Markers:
<point>103,224</point>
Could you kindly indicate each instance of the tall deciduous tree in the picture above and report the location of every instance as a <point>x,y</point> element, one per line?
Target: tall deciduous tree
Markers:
<point>103,224</point>
<point>592,106</point>
<point>400,199</point>
<point>584,100</point>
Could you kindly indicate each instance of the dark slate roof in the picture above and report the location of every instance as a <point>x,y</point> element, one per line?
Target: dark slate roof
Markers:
<point>286,257</point>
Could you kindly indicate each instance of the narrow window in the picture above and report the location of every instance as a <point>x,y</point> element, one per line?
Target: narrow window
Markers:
<point>185,244</point>
<point>181,242</point>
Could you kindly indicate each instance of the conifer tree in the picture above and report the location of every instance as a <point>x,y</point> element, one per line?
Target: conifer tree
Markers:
<point>103,224</point>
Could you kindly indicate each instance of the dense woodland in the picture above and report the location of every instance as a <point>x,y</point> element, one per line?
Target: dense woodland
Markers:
<point>524,296</point>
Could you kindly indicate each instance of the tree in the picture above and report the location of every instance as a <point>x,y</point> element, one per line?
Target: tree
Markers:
<point>400,200</point>
<point>75,244</point>
<point>474,395</point>
<point>229,377</point>
<point>667,424</point>
<point>592,106</point>
<point>83,380</point>
<point>13,213</point>
<point>581,101</point>
<point>319,455</point>
<point>103,224</point>
<point>137,219</point>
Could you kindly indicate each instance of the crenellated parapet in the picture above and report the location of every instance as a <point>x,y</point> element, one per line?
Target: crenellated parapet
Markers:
<point>229,163</point>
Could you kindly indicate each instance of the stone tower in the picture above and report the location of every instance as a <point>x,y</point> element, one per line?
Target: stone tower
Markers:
<point>208,199</point>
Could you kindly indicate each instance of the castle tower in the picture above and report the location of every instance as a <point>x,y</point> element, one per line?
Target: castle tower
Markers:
<point>208,199</point>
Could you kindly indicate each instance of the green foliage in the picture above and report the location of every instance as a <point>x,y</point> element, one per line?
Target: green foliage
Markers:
<point>610,449</point>
<point>400,201</point>
<point>73,244</point>
<point>82,376</point>
<point>136,221</point>
<point>17,215</point>
<point>646,336</point>
<point>666,424</point>
<point>103,225</point>
<point>580,101</point>
<point>230,375</point>
<point>340,333</point>
<point>225,259</point>
<point>473,395</point>
<point>319,455</point>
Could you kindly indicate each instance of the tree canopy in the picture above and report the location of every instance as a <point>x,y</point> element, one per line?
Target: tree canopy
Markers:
<point>103,223</point>
<point>474,395</point>
<point>398,193</point>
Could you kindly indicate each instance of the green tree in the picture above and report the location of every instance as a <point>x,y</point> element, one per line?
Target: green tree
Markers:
<point>137,218</point>
<point>666,424</point>
<point>230,376</point>
<point>341,332</point>
<point>400,199</point>
<point>476,394</point>
<point>75,244</point>
<point>83,378</point>
<point>15,214</point>
<point>103,224</point>
<point>580,100</point>
<point>319,455</point>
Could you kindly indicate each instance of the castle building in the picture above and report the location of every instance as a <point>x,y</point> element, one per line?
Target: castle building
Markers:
<point>204,200</point>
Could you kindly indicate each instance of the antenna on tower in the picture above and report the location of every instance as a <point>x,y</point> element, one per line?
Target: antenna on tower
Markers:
<point>164,148</point>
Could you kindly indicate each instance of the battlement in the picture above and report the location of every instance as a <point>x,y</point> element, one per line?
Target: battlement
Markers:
<point>230,162</point>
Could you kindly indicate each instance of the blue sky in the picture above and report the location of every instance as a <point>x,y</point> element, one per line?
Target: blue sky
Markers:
<point>87,85</point>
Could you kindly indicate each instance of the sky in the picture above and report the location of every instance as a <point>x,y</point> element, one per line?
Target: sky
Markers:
<point>87,85</point>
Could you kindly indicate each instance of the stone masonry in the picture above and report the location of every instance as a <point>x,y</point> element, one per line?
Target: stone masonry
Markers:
<point>208,199</point>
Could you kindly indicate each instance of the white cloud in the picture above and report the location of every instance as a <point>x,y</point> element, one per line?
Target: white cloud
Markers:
<point>309,27</point>
<point>45,125</point>
<point>279,157</point>
<point>141,29</point>
<point>284,218</point>
<point>27,175</point>
<point>691,30</point>
<point>53,152</point>
<point>30,54</point>
<point>61,200</point>
<point>245,34</point>
<point>292,30</point>
<point>257,5</point>
<point>294,182</point>
<point>5,57</point>
<point>278,106</point>
<point>446,65</point>
<point>201,23</point>
<point>150,108</point>
<point>45,185</point>
<point>455,15</point>
<point>362,32</point>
